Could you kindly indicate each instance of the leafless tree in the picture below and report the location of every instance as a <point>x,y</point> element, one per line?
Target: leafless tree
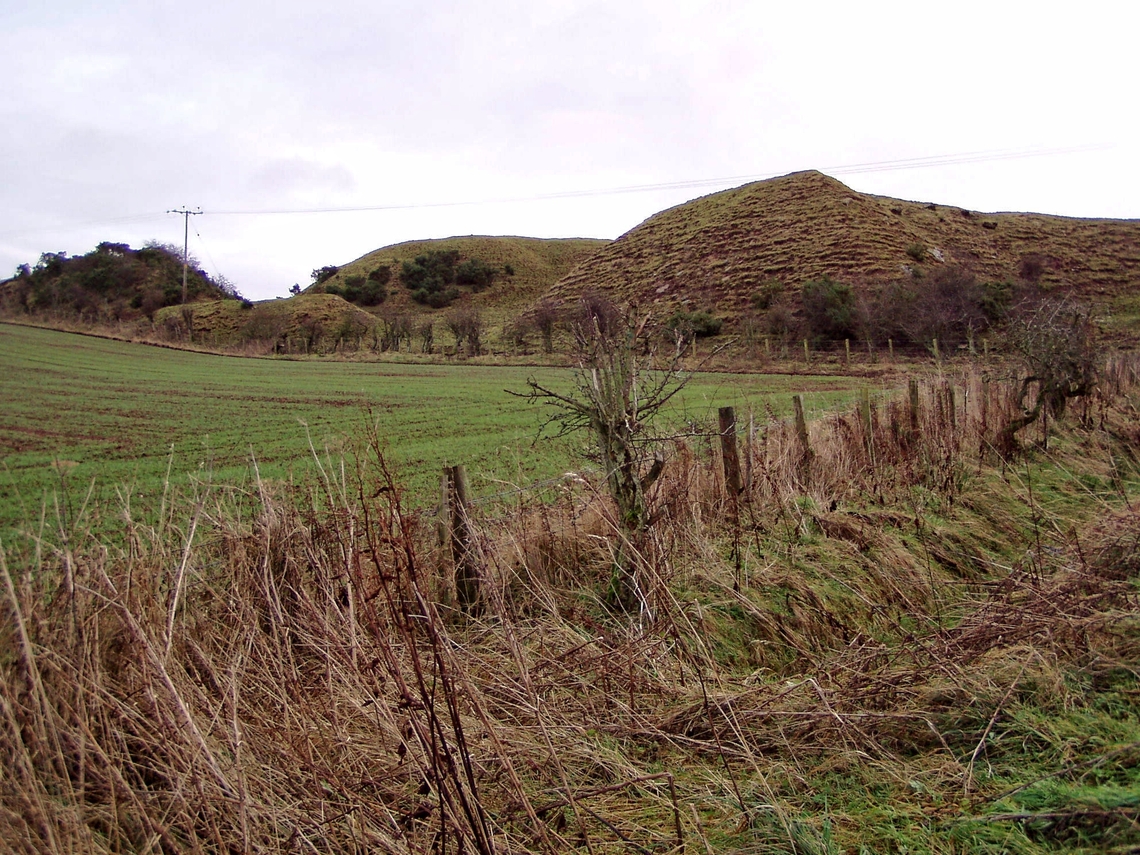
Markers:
<point>467,326</point>
<point>1057,344</point>
<point>618,389</point>
<point>426,332</point>
<point>546,316</point>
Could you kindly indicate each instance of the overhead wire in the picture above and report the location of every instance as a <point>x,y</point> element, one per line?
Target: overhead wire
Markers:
<point>218,276</point>
<point>926,162</point>
<point>848,169</point>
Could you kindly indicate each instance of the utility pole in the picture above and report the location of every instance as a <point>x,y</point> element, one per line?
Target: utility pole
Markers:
<point>186,214</point>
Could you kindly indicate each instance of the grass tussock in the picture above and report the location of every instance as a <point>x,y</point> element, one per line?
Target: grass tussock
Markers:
<point>898,637</point>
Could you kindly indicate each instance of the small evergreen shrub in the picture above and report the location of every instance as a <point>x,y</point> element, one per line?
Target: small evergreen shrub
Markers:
<point>699,324</point>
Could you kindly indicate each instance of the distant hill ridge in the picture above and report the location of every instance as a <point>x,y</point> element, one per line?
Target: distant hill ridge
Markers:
<point>716,251</point>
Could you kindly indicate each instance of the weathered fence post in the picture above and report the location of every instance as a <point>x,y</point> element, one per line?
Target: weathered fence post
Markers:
<point>732,480</point>
<point>985,416</point>
<point>807,352</point>
<point>443,520</point>
<point>732,483</point>
<point>865,417</point>
<point>913,408</point>
<point>847,350</point>
<point>751,446</point>
<point>802,435</point>
<point>466,567</point>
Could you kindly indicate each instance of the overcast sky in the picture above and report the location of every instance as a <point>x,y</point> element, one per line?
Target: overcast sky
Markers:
<point>523,116</point>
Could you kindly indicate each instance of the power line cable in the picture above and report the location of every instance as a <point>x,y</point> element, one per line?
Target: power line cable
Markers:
<point>926,162</point>
<point>213,264</point>
<point>849,169</point>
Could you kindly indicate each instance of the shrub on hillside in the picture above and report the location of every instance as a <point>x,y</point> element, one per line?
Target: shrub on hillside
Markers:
<point>829,309</point>
<point>265,324</point>
<point>947,306</point>
<point>691,325</point>
<point>475,274</point>
<point>1031,267</point>
<point>996,298</point>
<point>358,290</point>
<point>434,277</point>
<point>779,320</point>
<point>323,274</point>
<point>381,275</point>
<point>768,294</point>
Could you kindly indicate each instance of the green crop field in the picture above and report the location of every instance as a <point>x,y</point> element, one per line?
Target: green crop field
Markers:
<point>83,416</point>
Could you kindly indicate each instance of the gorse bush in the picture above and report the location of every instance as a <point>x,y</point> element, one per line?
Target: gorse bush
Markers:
<point>690,325</point>
<point>434,277</point>
<point>829,308</point>
<point>475,274</point>
<point>358,290</point>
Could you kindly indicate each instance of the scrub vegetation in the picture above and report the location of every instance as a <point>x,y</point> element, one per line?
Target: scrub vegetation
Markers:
<point>897,636</point>
<point>393,591</point>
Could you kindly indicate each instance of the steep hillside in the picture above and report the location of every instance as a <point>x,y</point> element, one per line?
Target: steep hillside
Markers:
<point>536,264</point>
<point>717,251</point>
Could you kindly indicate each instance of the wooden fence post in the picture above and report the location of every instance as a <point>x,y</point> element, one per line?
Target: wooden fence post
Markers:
<point>802,434</point>
<point>443,520</point>
<point>751,446</point>
<point>985,417</point>
<point>466,567</point>
<point>729,454</point>
<point>732,483</point>
<point>914,408</point>
<point>865,417</point>
<point>847,351</point>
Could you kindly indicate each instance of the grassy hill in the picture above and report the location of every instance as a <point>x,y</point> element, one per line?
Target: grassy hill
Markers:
<point>537,264</point>
<point>320,320</point>
<point>718,251</point>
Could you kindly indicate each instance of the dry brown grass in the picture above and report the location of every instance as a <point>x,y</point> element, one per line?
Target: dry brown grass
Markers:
<point>716,252</point>
<point>258,674</point>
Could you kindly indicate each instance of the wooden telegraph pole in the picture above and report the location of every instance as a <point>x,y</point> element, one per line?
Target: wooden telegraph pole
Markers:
<point>186,214</point>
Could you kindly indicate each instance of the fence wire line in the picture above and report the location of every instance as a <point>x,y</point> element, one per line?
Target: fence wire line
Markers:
<point>710,435</point>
